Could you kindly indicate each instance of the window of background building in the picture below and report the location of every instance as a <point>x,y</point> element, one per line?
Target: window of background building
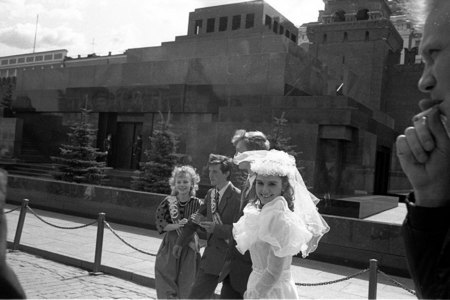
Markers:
<point>294,38</point>
<point>268,22</point>
<point>198,26</point>
<point>249,20</point>
<point>275,26</point>
<point>210,23</point>
<point>287,33</point>
<point>362,14</point>
<point>281,29</point>
<point>223,23</point>
<point>30,59</point>
<point>4,62</point>
<point>48,57</point>
<point>39,58</point>
<point>236,22</point>
<point>58,56</point>
<point>12,61</point>
<point>21,60</point>
<point>339,16</point>
<point>345,36</point>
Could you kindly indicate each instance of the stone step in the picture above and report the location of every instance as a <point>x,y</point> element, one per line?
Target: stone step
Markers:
<point>30,169</point>
<point>33,158</point>
<point>30,173</point>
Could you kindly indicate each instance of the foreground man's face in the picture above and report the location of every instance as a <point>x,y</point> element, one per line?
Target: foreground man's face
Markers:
<point>435,51</point>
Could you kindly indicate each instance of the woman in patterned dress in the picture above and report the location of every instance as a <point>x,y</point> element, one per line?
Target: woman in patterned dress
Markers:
<point>174,277</point>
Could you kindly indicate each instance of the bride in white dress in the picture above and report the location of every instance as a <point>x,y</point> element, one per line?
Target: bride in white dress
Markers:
<point>280,223</point>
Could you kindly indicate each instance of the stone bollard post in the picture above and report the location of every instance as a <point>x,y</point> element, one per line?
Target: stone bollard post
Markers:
<point>373,279</point>
<point>19,228</point>
<point>99,244</point>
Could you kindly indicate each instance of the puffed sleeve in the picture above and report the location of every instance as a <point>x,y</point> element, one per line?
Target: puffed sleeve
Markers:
<point>162,216</point>
<point>246,228</point>
<point>283,230</point>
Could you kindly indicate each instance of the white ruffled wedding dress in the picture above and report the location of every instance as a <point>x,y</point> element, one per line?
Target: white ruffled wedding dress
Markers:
<point>273,235</point>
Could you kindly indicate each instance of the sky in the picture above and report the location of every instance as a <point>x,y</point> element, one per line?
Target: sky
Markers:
<point>99,26</point>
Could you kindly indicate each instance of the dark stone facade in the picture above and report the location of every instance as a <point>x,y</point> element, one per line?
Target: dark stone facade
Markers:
<point>214,83</point>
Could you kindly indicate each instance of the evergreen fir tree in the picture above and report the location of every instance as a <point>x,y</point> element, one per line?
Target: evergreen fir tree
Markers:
<point>7,85</point>
<point>79,161</point>
<point>160,160</point>
<point>278,137</point>
<point>280,140</point>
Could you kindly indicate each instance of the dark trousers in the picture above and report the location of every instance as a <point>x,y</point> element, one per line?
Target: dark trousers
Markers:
<point>204,286</point>
<point>228,292</point>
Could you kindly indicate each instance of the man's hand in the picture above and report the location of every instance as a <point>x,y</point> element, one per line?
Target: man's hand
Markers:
<point>209,226</point>
<point>197,218</point>
<point>176,251</point>
<point>424,154</point>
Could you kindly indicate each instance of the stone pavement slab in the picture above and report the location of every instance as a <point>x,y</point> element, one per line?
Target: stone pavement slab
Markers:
<point>77,247</point>
<point>46,279</point>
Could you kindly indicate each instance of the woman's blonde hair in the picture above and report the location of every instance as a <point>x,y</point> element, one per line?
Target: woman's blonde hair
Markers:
<point>184,170</point>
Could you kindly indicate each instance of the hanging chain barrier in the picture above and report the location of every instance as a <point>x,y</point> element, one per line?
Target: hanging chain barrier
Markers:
<point>397,283</point>
<point>125,242</point>
<point>333,281</point>
<point>10,211</point>
<point>57,226</point>
<point>101,221</point>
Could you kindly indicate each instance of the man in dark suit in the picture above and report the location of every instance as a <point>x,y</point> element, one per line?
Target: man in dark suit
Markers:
<point>238,267</point>
<point>10,287</point>
<point>215,216</point>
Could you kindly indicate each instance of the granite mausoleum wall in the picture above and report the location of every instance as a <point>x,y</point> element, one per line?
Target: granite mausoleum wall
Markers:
<point>10,136</point>
<point>119,205</point>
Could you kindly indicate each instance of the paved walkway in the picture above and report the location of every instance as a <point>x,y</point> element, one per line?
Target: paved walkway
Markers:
<point>76,247</point>
<point>46,279</point>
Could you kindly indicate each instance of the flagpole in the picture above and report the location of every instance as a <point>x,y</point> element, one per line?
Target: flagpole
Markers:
<point>35,33</point>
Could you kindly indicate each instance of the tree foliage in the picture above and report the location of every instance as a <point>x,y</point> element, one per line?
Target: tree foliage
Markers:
<point>7,86</point>
<point>279,138</point>
<point>160,157</point>
<point>79,161</point>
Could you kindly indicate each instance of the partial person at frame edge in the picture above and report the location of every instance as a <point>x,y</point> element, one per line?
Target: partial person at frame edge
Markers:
<point>10,287</point>
<point>424,154</point>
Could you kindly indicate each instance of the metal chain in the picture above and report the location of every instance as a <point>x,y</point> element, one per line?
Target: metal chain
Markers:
<point>333,281</point>
<point>125,242</point>
<point>152,254</point>
<point>397,283</point>
<point>9,211</point>
<point>60,227</point>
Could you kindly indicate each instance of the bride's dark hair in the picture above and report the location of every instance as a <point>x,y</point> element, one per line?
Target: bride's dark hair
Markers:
<point>287,192</point>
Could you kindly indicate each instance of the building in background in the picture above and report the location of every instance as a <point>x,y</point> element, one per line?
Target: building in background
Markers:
<point>9,65</point>
<point>239,66</point>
